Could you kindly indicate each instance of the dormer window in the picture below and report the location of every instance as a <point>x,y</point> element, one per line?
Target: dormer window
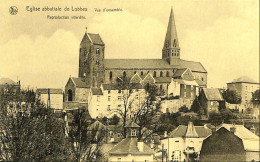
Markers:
<point>97,51</point>
<point>133,132</point>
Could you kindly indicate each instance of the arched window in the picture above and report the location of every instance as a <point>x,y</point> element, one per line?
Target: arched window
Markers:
<point>202,79</point>
<point>142,73</point>
<point>124,74</point>
<point>97,51</point>
<point>154,74</point>
<point>167,74</point>
<point>69,95</point>
<point>97,63</point>
<point>135,72</point>
<point>161,74</point>
<point>110,75</point>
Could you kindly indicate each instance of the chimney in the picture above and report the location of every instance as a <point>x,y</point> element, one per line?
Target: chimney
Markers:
<point>165,134</point>
<point>233,129</point>
<point>140,146</point>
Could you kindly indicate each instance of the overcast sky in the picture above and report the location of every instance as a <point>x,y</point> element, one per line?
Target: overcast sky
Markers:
<point>222,35</point>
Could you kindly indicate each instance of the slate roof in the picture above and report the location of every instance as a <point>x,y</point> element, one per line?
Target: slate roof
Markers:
<point>212,94</point>
<point>96,91</point>
<point>95,38</point>
<point>7,81</point>
<point>52,91</point>
<point>129,146</point>
<point>115,86</point>
<point>200,82</point>
<point>151,64</point>
<point>132,125</point>
<point>181,130</point>
<point>244,79</point>
<point>179,72</point>
<point>81,82</point>
<point>162,79</point>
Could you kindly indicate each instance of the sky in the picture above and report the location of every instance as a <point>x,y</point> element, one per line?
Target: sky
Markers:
<point>221,34</point>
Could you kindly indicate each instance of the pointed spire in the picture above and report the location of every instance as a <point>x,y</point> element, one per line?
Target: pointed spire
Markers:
<point>171,38</point>
<point>191,132</point>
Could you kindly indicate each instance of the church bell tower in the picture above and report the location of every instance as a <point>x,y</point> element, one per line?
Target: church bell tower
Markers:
<point>171,48</point>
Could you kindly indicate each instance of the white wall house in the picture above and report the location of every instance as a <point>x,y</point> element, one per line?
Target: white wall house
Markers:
<point>184,142</point>
<point>50,96</point>
<point>109,98</point>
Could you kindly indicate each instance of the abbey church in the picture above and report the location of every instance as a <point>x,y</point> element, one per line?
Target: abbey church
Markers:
<point>95,70</point>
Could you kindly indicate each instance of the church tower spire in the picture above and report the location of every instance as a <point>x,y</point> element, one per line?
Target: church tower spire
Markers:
<point>171,48</point>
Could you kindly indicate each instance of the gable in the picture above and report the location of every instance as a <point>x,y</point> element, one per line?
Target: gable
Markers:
<point>148,79</point>
<point>135,79</point>
<point>187,75</point>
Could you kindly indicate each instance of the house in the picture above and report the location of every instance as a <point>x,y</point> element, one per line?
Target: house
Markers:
<point>130,149</point>
<point>210,100</point>
<point>51,97</point>
<point>231,143</point>
<point>184,142</point>
<point>244,86</point>
<point>10,88</point>
<point>109,99</point>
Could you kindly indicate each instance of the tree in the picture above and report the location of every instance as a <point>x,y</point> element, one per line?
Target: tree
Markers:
<point>196,106</point>
<point>256,96</point>
<point>32,132</point>
<point>85,136</point>
<point>114,120</point>
<point>225,116</point>
<point>183,109</point>
<point>231,96</point>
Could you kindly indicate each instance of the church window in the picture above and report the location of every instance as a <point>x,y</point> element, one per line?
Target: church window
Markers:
<point>97,63</point>
<point>97,51</point>
<point>70,95</point>
<point>108,107</point>
<point>154,74</point>
<point>174,43</point>
<point>167,74</point>
<point>142,73</point>
<point>135,72</point>
<point>161,74</point>
<point>108,98</point>
<point>111,75</point>
<point>202,79</point>
<point>124,74</point>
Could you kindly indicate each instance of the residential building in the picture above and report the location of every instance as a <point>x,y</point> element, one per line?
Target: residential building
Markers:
<point>244,86</point>
<point>110,99</point>
<point>51,97</point>
<point>130,149</point>
<point>210,100</point>
<point>10,89</point>
<point>231,143</point>
<point>184,142</point>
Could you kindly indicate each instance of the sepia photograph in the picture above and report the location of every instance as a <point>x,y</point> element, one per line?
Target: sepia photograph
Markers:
<point>129,81</point>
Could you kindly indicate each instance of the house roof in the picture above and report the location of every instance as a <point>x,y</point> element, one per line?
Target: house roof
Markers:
<point>243,79</point>
<point>80,82</point>
<point>212,94</point>
<point>7,81</point>
<point>132,125</point>
<point>151,64</point>
<point>96,91</point>
<point>191,131</point>
<point>162,79</point>
<point>179,72</point>
<point>52,91</point>
<point>181,131</point>
<point>186,82</point>
<point>200,82</point>
<point>129,146</point>
<point>250,140</point>
<point>115,86</point>
<point>95,38</point>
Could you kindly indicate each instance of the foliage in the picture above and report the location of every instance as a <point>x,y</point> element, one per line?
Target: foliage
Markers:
<point>184,109</point>
<point>225,116</point>
<point>196,106</point>
<point>32,132</point>
<point>256,95</point>
<point>85,136</point>
<point>231,96</point>
<point>114,120</point>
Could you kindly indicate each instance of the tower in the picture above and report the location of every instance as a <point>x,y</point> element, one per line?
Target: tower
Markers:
<point>171,49</point>
<point>91,59</point>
